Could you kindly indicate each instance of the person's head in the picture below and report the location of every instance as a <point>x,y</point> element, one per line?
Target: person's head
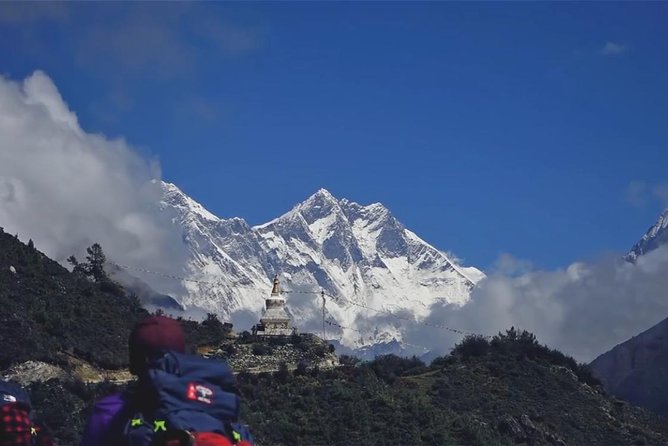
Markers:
<point>151,336</point>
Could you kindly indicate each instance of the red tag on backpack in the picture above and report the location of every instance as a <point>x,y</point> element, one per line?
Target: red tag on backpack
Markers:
<point>211,439</point>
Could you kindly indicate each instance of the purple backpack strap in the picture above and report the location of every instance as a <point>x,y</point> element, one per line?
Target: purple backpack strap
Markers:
<point>101,424</point>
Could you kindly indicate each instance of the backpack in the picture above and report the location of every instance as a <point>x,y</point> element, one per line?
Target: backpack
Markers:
<point>194,402</point>
<point>16,425</point>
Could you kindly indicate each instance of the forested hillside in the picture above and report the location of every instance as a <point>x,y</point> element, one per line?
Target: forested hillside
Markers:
<point>507,390</point>
<point>504,392</point>
<point>45,310</point>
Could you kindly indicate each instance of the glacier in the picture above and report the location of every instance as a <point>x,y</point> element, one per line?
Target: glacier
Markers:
<point>369,266</point>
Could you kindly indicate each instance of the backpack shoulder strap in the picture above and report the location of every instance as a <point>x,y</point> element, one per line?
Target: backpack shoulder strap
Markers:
<point>140,431</point>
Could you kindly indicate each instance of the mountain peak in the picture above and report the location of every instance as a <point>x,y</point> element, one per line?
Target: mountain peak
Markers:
<point>322,194</point>
<point>175,197</point>
<point>655,236</point>
<point>359,252</point>
<point>663,218</point>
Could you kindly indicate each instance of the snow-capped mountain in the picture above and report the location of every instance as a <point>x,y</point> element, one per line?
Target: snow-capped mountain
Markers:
<point>655,236</point>
<point>635,370</point>
<point>360,256</point>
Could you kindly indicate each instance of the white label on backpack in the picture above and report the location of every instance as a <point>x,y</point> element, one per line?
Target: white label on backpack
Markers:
<point>8,398</point>
<point>198,392</point>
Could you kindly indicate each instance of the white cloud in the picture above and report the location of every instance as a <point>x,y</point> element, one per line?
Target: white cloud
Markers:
<point>612,49</point>
<point>583,310</point>
<point>640,193</point>
<point>67,189</point>
<point>511,266</point>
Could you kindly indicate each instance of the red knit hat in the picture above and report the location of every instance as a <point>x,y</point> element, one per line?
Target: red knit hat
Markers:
<point>151,335</point>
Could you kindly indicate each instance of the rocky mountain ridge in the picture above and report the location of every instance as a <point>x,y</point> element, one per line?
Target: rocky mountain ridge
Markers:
<point>656,235</point>
<point>360,256</point>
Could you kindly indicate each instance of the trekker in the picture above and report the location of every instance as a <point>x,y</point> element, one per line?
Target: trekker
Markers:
<point>17,424</point>
<point>178,399</point>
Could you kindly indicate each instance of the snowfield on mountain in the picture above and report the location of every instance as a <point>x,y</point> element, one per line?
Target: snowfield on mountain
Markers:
<point>366,262</point>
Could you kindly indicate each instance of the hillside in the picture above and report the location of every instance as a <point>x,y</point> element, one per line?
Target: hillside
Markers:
<point>636,370</point>
<point>506,391</point>
<point>509,391</point>
<point>46,311</point>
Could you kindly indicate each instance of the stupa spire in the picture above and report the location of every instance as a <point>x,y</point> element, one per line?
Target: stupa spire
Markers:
<point>276,290</point>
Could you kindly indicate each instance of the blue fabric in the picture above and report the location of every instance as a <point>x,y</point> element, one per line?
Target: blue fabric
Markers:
<point>192,393</point>
<point>174,376</point>
<point>103,427</point>
<point>11,392</point>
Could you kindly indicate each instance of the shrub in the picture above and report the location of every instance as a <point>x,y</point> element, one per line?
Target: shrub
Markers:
<point>295,339</point>
<point>261,350</point>
<point>283,374</point>
<point>390,367</point>
<point>302,368</point>
<point>443,361</point>
<point>472,346</point>
<point>245,337</point>
<point>523,343</point>
<point>347,360</point>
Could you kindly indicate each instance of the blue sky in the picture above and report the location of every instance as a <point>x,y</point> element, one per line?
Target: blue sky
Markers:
<point>535,129</point>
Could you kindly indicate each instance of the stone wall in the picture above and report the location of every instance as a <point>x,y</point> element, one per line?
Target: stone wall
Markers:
<point>267,354</point>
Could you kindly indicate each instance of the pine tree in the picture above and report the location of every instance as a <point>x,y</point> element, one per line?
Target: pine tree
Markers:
<point>96,260</point>
<point>77,268</point>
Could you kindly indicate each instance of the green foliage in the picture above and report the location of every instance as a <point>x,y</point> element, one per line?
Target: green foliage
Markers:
<point>524,344</point>
<point>77,268</point>
<point>478,400</point>
<point>283,374</point>
<point>302,368</point>
<point>46,310</point>
<point>259,349</point>
<point>96,261</point>
<point>245,337</point>
<point>64,407</point>
<point>520,344</point>
<point>519,341</point>
<point>210,332</point>
<point>390,367</point>
<point>349,361</point>
<point>472,346</point>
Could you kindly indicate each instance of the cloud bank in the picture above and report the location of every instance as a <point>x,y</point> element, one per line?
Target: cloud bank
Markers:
<point>583,310</point>
<point>67,189</point>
